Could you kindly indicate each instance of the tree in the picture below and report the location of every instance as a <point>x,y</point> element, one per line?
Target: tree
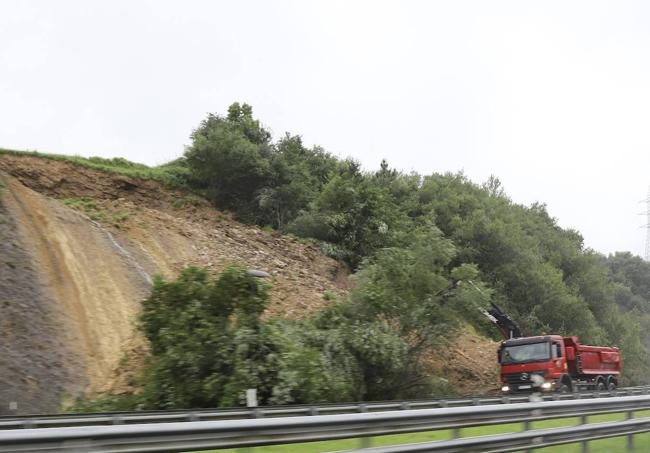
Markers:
<point>403,305</point>
<point>355,213</point>
<point>297,177</point>
<point>229,160</point>
<point>209,344</point>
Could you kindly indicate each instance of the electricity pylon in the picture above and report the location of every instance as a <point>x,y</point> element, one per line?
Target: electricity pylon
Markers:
<point>647,226</point>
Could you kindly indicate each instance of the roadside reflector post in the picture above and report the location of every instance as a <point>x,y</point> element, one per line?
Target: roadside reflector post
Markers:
<point>251,397</point>
<point>251,401</point>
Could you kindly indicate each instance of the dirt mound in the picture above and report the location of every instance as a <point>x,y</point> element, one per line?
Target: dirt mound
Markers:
<point>469,363</point>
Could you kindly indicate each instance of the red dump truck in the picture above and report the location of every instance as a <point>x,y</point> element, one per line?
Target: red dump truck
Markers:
<point>551,362</point>
<point>554,363</point>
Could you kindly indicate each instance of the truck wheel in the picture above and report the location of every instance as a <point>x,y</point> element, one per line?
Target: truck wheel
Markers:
<point>600,385</point>
<point>563,388</point>
<point>611,384</point>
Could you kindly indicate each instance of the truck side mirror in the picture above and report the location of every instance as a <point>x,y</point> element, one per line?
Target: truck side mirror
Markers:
<point>570,353</point>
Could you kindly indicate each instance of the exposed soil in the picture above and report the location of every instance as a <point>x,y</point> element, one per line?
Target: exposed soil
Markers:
<point>469,363</point>
<point>164,237</point>
<point>38,366</point>
<point>95,288</point>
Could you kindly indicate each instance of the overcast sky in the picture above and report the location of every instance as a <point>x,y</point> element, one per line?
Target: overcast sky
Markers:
<point>551,97</point>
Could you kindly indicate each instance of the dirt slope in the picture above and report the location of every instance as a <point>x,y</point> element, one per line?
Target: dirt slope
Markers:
<point>469,364</point>
<point>37,365</point>
<point>92,264</point>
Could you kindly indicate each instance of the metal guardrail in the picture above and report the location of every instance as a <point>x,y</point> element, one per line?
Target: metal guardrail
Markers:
<point>120,418</point>
<point>192,436</point>
<point>538,438</point>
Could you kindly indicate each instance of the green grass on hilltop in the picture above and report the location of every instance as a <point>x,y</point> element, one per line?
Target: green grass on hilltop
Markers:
<point>171,175</point>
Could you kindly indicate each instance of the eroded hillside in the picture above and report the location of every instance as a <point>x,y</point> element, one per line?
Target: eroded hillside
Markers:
<point>79,249</point>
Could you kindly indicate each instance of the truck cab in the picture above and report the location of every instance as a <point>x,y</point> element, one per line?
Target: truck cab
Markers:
<point>530,363</point>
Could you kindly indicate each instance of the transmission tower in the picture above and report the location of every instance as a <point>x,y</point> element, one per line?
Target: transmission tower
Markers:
<point>647,226</point>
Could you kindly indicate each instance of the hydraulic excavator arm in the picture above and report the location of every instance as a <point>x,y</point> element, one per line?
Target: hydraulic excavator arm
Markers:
<point>506,325</point>
<point>503,322</point>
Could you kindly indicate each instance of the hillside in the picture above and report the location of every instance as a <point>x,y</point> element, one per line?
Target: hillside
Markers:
<point>79,247</point>
<point>83,238</point>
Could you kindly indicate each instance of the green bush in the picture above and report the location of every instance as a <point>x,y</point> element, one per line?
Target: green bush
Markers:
<point>209,344</point>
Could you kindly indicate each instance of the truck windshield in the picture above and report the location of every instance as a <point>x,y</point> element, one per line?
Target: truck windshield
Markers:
<point>522,353</point>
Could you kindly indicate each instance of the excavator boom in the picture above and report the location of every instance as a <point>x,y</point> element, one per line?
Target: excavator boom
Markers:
<point>506,325</point>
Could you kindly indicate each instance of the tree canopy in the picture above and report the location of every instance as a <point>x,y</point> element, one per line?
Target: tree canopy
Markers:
<point>541,273</point>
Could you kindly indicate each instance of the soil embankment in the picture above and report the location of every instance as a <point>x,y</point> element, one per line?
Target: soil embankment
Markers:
<point>87,244</point>
<point>37,365</point>
<point>469,364</point>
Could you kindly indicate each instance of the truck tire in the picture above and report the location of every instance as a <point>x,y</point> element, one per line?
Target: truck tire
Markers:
<point>611,383</point>
<point>600,384</point>
<point>563,388</point>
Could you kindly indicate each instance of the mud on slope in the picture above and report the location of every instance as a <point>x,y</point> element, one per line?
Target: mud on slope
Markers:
<point>468,363</point>
<point>37,366</point>
<point>96,257</point>
<point>94,287</point>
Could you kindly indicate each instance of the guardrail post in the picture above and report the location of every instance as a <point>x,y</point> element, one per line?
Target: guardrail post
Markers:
<point>29,424</point>
<point>365,442</point>
<point>630,437</point>
<point>527,428</point>
<point>584,443</point>
<point>117,420</point>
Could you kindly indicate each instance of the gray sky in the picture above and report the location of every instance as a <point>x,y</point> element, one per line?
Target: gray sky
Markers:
<point>552,97</point>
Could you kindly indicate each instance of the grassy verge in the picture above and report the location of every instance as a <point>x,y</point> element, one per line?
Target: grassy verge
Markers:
<point>616,444</point>
<point>170,175</point>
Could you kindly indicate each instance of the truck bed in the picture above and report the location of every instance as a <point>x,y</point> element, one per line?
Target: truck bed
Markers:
<point>591,360</point>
